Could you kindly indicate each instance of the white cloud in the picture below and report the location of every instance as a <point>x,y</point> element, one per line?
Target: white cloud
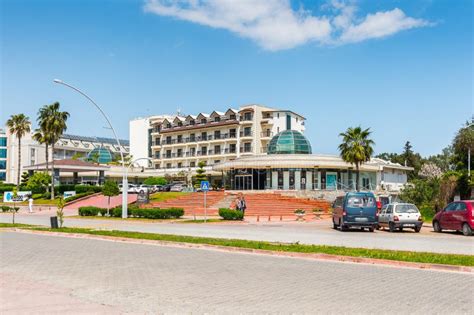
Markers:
<point>275,25</point>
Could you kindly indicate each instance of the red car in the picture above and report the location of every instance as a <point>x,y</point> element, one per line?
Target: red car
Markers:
<point>458,216</point>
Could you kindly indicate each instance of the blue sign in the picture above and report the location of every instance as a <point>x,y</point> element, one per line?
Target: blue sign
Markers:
<point>205,185</point>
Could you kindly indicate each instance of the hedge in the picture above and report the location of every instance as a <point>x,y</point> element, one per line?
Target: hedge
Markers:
<point>157,213</point>
<point>78,196</point>
<point>89,211</point>
<point>6,187</point>
<point>8,208</point>
<point>230,214</point>
<point>85,188</point>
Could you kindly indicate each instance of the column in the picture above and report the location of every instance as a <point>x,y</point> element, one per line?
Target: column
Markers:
<point>102,177</point>
<point>298,180</point>
<point>286,180</point>
<point>309,180</point>
<point>74,178</point>
<point>274,180</point>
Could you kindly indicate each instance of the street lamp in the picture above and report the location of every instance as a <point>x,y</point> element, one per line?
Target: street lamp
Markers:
<point>124,169</point>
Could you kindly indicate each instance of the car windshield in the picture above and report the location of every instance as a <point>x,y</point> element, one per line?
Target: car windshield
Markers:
<point>361,201</point>
<point>406,209</point>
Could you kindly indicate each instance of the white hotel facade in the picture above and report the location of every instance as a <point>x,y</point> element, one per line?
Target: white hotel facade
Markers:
<point>180,142</point>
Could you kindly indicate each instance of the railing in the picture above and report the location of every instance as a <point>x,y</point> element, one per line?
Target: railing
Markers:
<point>203,123</point>
<point>246,133</point>
<point>266,134</point>
<point>246,149</point>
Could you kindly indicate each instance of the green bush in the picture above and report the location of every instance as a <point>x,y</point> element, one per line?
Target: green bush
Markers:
<point>116,212</point>
<point>36,196</point>
<point>46,195</point>
<point>427,213</point>
<point>62,188</point>
<point>230,214</point>
<point>89,211</point>
<point>103,212</point>
<point>6,187</point>
<point>5,208</point>
<point>86,188</point>
<point>78,196</point>
<point>171,213</point>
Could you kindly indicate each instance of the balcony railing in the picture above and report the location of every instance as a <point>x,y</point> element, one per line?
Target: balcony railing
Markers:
<point>246,133</point>
<point>246,149</point>
<point>266,134</point>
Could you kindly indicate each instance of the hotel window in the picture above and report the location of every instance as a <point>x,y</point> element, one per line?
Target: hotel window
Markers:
<point>192,164</point>
<point>3,142</point>
<point>217,149</point>
<point>180,153</point>
<point>168,165</point>
<point>204,151</point>
<point>193,151</point>
<point>3,165</point>
<point>203,120</point>
<point>168,140</point>
<point>217,119</point>
<point>180,124</point>
<point>247,131</point>
<point>180,165</point>
<point>217,161</point>
<point>232,117</point>
<point>33,156</point>
<point>217,134</point>
<point>232,148</point>
<point>247,116</point>
<point>192,122</point>
<point>168,153</point>
<point>192,137</point>
<point>3,176</point>
<point>288,122</point>
<point>204,136</point>
<point>168,125</point>
<point>180,139</point>
<point>247,147</point>
<point>232,133</point>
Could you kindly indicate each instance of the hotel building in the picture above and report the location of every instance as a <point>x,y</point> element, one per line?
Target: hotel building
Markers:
<point>181,142</point>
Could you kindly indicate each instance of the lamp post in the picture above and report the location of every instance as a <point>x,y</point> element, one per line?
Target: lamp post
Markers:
<point>124,169</point>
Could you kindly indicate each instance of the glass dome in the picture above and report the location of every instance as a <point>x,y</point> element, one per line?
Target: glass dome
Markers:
<point>289,142</point>
<point>101,155</point>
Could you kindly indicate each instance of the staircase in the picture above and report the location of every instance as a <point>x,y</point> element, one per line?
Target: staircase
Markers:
<point>193,203</point>
<point>279,205</point>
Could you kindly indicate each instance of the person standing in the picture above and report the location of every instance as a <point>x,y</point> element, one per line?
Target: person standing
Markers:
<point>30,204</point>
<point>243,205</point>
<point>237,203</point>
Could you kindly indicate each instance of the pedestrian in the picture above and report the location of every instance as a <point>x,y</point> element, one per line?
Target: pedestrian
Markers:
<point>243,205</point>
<point>237,203</point>
<point>30,204</point>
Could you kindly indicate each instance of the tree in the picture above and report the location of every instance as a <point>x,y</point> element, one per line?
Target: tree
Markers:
<point>19,125</point>
<point>444,160</point>
<point>200,173</point>
<point>356,148</point>
<point>157,180</point>
<point>24,178</point>
<point>462,143</point>
<point>42,137</point>
<point>38,181</point>
<point>60,211</point>
<point>110,189</point>
<point>53,122</point>
<point>430,171</point>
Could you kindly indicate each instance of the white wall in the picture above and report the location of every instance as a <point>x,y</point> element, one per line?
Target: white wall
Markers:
<point>139,139</point>
<point>279,122</point>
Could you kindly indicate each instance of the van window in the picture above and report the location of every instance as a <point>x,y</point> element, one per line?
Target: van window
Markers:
<point>361,201</point>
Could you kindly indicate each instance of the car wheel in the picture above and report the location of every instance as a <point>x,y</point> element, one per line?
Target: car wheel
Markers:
<point>417,229</point>
<point>342,226</point>
<point>391,227</point>
<point>466,229</point>
<point>436,227</point>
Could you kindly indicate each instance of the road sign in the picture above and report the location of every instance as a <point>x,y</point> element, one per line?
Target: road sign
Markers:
<point>205,185</point>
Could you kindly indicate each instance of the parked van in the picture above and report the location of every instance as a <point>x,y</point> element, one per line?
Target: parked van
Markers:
<point>355,209</point>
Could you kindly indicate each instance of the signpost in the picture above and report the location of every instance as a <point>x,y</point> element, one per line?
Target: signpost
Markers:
<point>205,189</point>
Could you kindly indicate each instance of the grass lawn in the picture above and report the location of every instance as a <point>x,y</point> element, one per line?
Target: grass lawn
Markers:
<point>419,257</point>
<point>166,195</point>
<point>201,221</point>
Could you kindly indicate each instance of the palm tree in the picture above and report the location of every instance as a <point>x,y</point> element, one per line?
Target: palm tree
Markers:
<point>42,138</point>
<point>52,122</point>
<point>19,125</point>
<point>356,148</point>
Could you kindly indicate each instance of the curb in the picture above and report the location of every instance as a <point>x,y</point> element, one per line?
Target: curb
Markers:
<point>311,256</point>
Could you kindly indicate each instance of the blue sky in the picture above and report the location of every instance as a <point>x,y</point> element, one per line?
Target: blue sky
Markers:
<point>403,68</point>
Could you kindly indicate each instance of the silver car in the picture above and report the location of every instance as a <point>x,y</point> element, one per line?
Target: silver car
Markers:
<point>399,216</point>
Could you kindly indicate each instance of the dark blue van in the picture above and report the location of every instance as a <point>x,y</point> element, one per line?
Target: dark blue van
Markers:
<point>355,209</point>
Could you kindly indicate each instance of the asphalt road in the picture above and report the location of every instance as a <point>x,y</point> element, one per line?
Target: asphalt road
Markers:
<point>48,274</point>
<point>305,233</point>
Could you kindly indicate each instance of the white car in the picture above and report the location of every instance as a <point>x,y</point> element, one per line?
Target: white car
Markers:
<point>399,216</point>
<point>133,189</point>
<point>178,187</point>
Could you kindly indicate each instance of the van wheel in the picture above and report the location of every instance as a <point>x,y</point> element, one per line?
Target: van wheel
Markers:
<point>371,229</point>
<point>342,226</point>
<point>391,227</point>
<point>436,227</point>
<point>466,229</point>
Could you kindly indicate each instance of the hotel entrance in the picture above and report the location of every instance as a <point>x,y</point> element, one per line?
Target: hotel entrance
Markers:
<point>243,182</point>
